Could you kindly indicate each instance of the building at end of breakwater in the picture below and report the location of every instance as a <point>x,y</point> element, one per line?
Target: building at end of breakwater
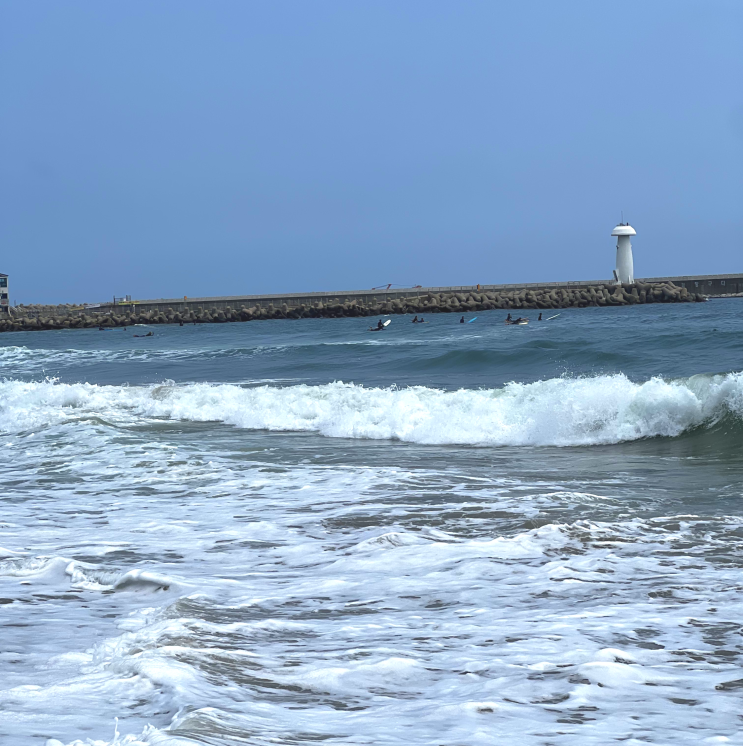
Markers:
<point>4,294</point>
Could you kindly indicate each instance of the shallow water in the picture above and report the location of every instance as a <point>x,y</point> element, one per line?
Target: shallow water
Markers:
<point>290,532</point>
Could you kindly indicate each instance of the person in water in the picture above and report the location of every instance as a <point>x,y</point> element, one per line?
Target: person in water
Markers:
<point>149,334</point>
<point>461,321</point>
<point>421,321</point>
<point>508,318</point>
<point>415,320</point>
<point>380,325</point>
<point>540,317</point>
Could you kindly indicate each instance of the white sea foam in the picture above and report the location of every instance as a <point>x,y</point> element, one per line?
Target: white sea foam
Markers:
<point>284,600</point>
<point>505,651</point>
<point>560,411</point>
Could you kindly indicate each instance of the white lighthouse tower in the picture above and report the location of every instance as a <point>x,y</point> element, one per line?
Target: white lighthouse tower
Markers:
<point>625,272</point>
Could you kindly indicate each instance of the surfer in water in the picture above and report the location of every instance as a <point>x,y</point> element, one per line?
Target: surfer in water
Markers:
<point>540,317</point>
<point>378,328</point>
<point>149,334</point>
<point>461,321</point>
<point>415,320</point>
<point>508,318</point>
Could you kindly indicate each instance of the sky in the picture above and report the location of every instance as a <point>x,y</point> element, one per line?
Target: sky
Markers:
<point>170,148</point>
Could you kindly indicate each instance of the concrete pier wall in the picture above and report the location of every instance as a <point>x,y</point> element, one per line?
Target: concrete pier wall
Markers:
<point>712,285</point>
<point>353,304</point>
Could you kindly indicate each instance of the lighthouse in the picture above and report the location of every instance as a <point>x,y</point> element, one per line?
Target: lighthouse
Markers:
<point>624,273</point>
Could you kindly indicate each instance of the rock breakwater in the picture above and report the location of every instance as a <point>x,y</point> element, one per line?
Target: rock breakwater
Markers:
<point>27,318</point>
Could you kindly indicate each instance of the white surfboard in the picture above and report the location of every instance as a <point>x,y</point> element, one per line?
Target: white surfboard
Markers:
<point>552,317</point>
<point>387,323</point>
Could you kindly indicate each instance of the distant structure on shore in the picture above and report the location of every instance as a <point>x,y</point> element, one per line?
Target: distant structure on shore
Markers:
<point>4,302</point>
<point>624,274</point>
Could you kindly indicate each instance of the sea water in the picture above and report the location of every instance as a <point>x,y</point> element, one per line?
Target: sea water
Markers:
<point>300,531</point>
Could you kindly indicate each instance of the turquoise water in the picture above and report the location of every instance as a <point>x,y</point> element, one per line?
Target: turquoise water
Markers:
<point>442,533</point>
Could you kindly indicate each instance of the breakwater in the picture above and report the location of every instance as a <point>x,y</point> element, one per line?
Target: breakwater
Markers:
<point>418,301</point>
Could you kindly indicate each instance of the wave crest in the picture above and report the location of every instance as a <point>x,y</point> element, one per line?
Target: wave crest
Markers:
<point>558,412</point>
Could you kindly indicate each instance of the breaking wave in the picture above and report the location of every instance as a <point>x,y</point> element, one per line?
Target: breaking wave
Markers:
<point>558,412</point>
<point>34,360</point>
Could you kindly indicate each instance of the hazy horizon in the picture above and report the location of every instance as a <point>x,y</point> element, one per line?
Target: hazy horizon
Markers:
<point>197,149</point>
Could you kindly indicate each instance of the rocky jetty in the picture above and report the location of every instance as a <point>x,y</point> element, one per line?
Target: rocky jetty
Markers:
<point>27,318</point>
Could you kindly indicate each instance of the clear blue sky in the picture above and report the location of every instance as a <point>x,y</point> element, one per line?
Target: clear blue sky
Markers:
<point>175,148</point>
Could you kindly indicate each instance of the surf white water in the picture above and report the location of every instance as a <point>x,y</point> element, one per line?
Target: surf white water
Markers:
<point>262,598</point>
<point>557,412</point>
<point>234,601</point>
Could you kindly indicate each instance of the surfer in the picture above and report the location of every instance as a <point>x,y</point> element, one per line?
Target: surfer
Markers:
<point>421,321</point>
<point>540,317</point>
<point>461,321</point>
<point>378,328</point>
<point>415,320</point>
<point>149,334</point>
<point>508,318</point>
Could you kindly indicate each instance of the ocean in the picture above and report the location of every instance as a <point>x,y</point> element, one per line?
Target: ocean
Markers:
<point>291,532</point>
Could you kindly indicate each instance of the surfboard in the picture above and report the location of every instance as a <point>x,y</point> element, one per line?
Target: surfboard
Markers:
<point>553,317</point>
<point>387,323</point>
<point>471,320</point>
